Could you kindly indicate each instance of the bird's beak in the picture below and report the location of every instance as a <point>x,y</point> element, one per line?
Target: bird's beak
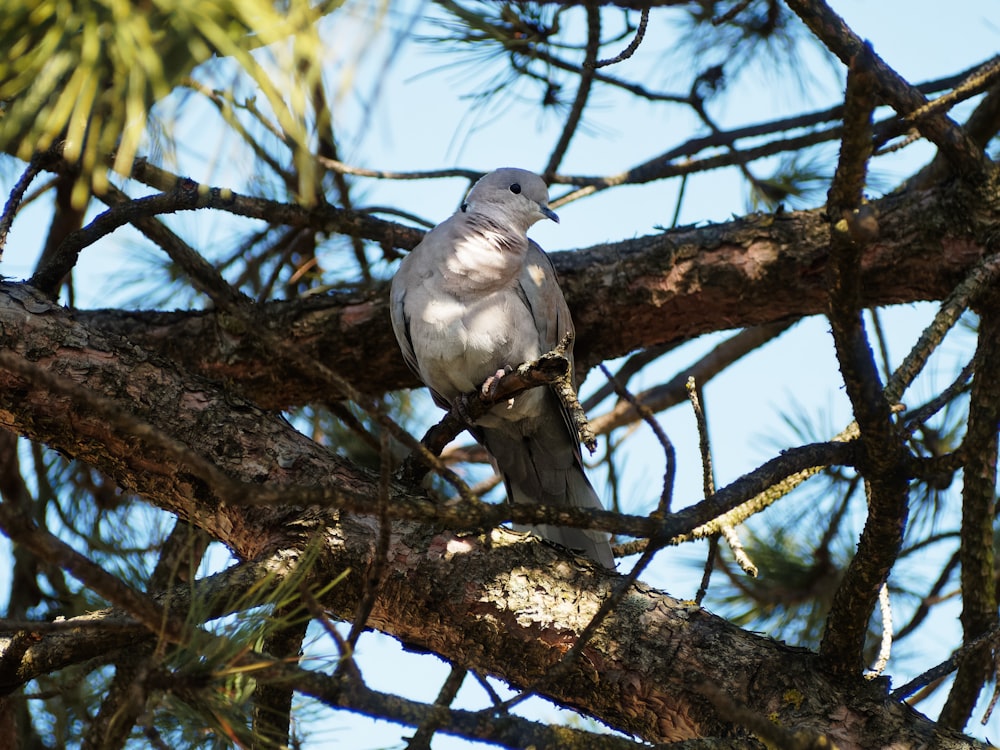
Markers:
<point>549,213</point>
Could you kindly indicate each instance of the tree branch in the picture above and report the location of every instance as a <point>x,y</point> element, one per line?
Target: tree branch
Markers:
<point>582,91</point>
<point>829,28</point>
<point>883,451</point>
<point>195,447</point>
<point>978,574</point>
<point>663,396</point>
<point>649,688</point>
<point>677,284</point>
<point>428,568</point>
<point>188,195</point>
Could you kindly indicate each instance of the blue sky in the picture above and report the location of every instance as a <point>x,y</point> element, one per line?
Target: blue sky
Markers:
<point>412,124</point>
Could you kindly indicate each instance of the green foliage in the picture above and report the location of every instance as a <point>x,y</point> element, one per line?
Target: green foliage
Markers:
<point>84,75</point>
<point>94,79</point>
<point>209,681</point>
<point>722,40</point>
<point>801,558</point>
<point>796,182</point>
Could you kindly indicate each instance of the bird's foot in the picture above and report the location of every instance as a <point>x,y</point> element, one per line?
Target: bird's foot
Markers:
<point>461,405</point>
<point>492,383</point>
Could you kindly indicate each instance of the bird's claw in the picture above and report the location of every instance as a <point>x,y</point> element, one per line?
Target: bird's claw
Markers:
<point>461,405</point>
<point>492,383</point>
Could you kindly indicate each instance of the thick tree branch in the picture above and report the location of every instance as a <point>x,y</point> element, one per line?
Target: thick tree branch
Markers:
<point>852,226</point>
<point>658,289</point>
<point>473,585</point>
<point>228,467</point>
<point>477,605</point>
<point>978,572</point>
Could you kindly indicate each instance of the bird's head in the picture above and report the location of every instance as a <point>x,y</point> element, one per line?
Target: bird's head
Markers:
<point>517,195</point>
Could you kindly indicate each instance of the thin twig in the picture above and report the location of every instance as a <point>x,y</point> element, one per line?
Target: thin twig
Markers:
<point>16,196</point>
<point>706,572</point>
<point>582,92</point>
<point>661,397</point>
<point>630,50</point>
<point>421,739</point>
<point>915,418</point>
<point>932,597</point>
<point>985,274</point>
<point>340,167</point>
<point>377,567</point>
<point>346,662</point>
<point>726,531</point>
<point>947,666</point>
<point>708,485</point>
<point>548,370</point>
<point>885,647</point>
<point>978,81</point>
<point>670,470</point>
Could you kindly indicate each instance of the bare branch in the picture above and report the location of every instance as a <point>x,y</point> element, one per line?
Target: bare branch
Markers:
<point>188,195</point>
<point>830,28</point>
<point>670,456</point>
<point>979,479</point>
<point>630,50</point>
<point>15,197</point>
<point>852,227</point>
<point>582,91</point>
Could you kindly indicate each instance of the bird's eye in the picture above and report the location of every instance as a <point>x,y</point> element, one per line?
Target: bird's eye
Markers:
<point>515,188</point>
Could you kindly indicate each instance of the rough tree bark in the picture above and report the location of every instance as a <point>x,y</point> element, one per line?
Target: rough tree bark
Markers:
<point>663,288</point>
<point>148,415</point>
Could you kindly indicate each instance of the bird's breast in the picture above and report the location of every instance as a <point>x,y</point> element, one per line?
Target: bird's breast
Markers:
<point>465,341</point>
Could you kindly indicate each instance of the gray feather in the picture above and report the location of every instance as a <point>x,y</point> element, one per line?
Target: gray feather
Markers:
<point>476,296</point>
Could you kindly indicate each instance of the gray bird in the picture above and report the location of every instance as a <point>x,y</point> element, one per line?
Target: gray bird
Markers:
<point>477,297</point>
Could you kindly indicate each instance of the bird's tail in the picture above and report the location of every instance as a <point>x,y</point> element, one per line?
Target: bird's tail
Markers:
<point>594,544</point>
<point>545,468</point>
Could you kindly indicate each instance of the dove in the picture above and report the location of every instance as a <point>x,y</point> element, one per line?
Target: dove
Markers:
<point>477,298</point>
